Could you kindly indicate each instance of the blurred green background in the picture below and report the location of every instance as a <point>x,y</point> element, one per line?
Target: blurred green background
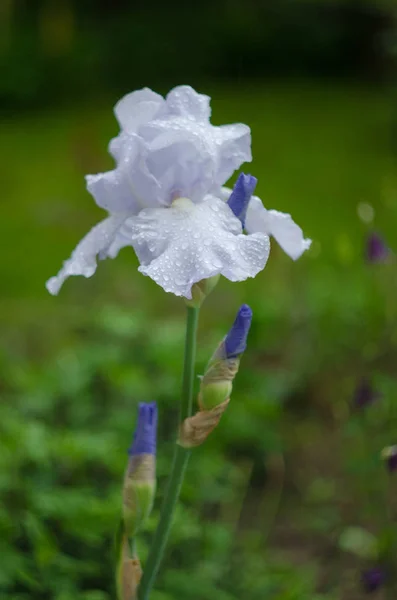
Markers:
<point>290,469</point>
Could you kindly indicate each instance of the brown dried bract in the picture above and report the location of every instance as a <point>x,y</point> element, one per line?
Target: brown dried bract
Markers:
<point>195,430</point>
<point>132,574</point>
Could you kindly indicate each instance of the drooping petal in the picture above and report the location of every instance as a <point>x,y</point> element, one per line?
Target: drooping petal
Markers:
<point>187,242</point>
<point>184,101</point>
<point>83,258</point>
<point>241,195</point>
<point>137,108</point>
<point>280,225</point>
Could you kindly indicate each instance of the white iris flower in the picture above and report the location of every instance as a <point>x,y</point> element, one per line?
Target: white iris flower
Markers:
<point>165,198</point>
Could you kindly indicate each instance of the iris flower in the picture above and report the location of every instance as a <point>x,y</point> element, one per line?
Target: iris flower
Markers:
<point>165,198</point>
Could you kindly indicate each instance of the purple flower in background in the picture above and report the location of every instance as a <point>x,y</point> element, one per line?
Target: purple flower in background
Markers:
<point>236,340</point>
<point>376,249</point>
<point>364,394</point>
<point>389,455</point>
<point>373,579</point>
<point>144,441</point>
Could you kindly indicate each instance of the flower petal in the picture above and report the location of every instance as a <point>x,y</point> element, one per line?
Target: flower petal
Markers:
<point>112,191</point>
<point>188,242</point>
<point>135,159</point>
<point>137,108</point>
<point>184,101</point>
<point>83,258</point>
<point>280,225</point>
<point>174,160</point>
<point>234,149</point>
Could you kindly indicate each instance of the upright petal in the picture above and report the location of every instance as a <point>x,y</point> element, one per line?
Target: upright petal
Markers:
<point>187,243</point>
<point>136,162</point>
<point>182,164</point>
<point>234,149</point>
<point>83,258</point>
<point>173,160</point>
<point>184,101</point>
<point>113,192</point>
<point>280,225</point>
<point>137,108</point>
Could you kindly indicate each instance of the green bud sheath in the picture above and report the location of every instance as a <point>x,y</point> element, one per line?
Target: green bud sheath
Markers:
<point>214,394</point>
<point>201,290</point>
<point>217,383</point>
<point>138,491</point>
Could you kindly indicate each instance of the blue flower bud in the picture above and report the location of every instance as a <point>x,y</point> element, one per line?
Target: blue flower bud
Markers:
<point>376,249</point>
<point>144,441</point>
<point>217,383</point>
<point>241,195</point>
<point>140,477</point>
<point>236,340</point>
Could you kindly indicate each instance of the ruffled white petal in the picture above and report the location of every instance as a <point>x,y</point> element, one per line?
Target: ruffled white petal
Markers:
<point>174,160</point>
<point>113,192</point>
<point>83,259</point>
<point>234,148</point>
<point>188,242</point>
<point>137,108</point>
<point>280,225</point>
<point>136,187</point>
<point>179,152</point>
<point>184,101</point>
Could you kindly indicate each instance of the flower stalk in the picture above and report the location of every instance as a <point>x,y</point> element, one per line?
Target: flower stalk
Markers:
<point>180,461</point>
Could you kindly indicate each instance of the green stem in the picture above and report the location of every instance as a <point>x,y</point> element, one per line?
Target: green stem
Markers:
<point>181,457</point>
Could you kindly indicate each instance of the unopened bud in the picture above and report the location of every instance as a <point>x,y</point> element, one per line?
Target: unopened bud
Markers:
<point>241,195</point>
<point>217,382</point>
<point>140,477</point>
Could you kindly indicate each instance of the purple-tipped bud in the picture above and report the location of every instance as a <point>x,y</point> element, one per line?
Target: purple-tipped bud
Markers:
<point>365,394</point>
<point>376,249</point>
<point>389,455</point>
<point>241,195</point>
<point>373,579</point>
<point>236,340</point>
<point>144,441</point>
